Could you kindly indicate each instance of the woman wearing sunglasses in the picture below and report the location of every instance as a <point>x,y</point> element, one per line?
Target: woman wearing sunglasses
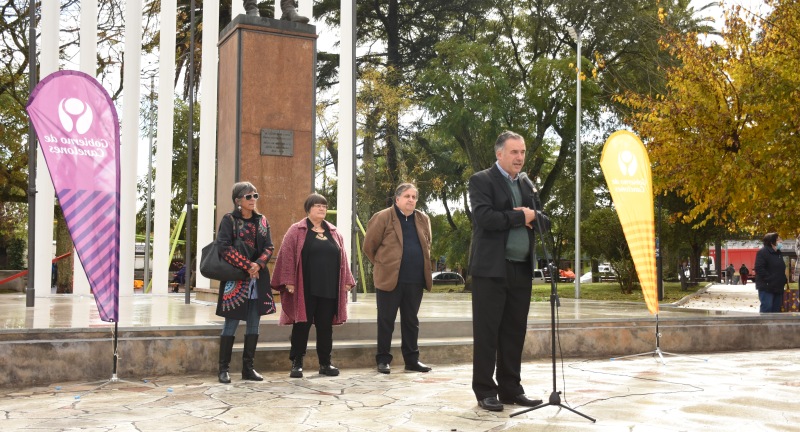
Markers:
<point>313,275</point>
<point>250,298</point>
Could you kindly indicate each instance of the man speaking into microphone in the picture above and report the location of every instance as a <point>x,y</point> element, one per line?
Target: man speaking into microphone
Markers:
<point>503,221</point>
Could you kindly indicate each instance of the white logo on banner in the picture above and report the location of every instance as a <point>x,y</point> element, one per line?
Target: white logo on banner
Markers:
<point>627,163</point>
<point>75,113</point>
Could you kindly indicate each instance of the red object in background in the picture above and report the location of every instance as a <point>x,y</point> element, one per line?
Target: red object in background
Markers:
<point>24,272</point>
<point>737,257</point>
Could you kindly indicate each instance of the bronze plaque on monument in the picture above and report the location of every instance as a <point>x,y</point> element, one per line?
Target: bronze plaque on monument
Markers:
<point>277,142</point>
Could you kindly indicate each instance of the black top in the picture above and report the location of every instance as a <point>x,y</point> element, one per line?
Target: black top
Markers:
<point>770,270</point>
<point>412,264</point>
<point>320,256</point>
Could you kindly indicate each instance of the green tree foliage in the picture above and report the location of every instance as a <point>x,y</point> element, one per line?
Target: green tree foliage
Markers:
<point>605,239</point>
<point>449,243</point>
<point>179,169</point>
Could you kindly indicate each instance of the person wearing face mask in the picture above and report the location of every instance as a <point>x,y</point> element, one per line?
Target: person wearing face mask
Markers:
<point>797,260</point>
<point>770,274</point>
<point>398,243</point>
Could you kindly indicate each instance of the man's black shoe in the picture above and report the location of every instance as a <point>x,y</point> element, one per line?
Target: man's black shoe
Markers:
<point>418,367</point>
<point>490,404</point>
<point>329,370</point>
<point>521,400</point>
<point>384,368</point>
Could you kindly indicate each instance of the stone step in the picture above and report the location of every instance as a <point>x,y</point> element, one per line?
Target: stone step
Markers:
<point>359,353</point>
<point>358,344</point>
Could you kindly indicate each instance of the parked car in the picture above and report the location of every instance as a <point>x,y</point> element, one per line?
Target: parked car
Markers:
<point>563,275</point>
<point>447,278</point>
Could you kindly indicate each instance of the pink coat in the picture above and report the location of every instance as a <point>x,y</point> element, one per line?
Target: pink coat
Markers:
<point>289,271</point>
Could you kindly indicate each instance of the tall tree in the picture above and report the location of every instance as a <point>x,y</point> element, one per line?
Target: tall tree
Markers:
<point>724,134</point>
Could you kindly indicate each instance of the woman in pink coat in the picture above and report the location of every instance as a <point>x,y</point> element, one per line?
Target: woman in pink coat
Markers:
<point>312,273</point>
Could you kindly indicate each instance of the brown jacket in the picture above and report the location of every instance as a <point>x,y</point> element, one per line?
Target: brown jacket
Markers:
<point>383,245</point>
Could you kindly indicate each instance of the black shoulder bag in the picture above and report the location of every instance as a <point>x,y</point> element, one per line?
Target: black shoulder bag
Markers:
<point>214,267</point>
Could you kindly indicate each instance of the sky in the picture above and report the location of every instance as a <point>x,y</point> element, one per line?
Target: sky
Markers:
<point>329,37</point>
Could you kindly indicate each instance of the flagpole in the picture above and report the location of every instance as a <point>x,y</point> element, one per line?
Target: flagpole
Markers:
<point>187,282</point>
<point>30,292</point>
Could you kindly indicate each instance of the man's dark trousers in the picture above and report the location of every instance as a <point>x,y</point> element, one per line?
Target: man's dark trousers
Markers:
<point>406,297</point>
<point>499,322</point>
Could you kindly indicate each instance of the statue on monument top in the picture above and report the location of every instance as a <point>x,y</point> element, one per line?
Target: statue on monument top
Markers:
<point>287,6</point>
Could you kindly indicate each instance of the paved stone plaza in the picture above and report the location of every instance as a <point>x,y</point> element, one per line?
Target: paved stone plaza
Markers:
<point>754,391</point>
<point>731,391</point>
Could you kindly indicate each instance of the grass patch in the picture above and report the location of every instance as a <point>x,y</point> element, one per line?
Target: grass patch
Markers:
<point>607,291</point>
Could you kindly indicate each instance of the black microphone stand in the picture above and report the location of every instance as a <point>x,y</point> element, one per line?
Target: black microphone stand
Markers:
<point>555,395</point>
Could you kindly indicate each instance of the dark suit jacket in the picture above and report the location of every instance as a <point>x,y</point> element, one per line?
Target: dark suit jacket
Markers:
<point>492,218</point>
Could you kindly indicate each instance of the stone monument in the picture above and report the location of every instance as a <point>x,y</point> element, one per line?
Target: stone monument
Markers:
<point>266,116</point>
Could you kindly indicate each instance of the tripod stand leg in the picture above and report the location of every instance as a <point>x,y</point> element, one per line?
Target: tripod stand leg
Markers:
<point>555,400</point>
<point>114,378</point>
<point>649,353</point>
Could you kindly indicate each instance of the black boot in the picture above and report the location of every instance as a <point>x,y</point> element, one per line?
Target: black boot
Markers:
<point>328,369</point>
<point>248,354</point>
<point>225,348</point>
<point>297,367</point>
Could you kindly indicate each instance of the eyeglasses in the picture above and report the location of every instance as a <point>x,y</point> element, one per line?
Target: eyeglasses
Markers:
<point>320,206</point>
<point>250,196</point>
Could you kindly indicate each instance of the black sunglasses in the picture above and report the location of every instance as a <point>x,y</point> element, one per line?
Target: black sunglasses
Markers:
<point>250,196</point>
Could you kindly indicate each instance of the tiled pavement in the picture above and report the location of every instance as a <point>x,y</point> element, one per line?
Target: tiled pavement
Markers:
<point>754,391</point>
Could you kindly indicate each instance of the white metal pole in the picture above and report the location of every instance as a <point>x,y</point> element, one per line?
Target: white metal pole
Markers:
<point>166,116</point>
<point>208,135</point>
<point>87,65</point>
<point>149,198</point>
<point>578,175</point>
<point>129,148</point>
<point>344,197</point>
<point>45,192</point>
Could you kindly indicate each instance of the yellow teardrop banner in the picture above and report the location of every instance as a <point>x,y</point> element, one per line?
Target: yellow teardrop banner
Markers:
<point>626,168</point>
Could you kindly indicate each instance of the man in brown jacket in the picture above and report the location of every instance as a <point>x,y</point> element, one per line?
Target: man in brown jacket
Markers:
<point>398,243</point>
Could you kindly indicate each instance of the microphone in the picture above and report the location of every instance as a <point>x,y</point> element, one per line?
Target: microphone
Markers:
<point>524,177</point>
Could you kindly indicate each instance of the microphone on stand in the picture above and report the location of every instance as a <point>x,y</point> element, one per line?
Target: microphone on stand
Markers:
<point>524,177</point>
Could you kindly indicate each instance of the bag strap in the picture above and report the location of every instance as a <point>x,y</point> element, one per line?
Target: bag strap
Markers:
<point>235,227</point>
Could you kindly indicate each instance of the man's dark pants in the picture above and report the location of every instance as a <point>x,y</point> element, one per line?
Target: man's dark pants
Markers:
<point>499,322</point>
<point>407,298</point>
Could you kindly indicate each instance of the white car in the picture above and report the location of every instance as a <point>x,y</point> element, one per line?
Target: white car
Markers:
<point>447,278</point>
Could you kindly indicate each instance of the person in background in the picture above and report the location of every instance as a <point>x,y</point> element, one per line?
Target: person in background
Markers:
<point>743,273</point>
<point>729,271</point>
<point>503,219</point>
<point>770,274</point>
<point>312,273</point>
<point>797,260</point>
<point>179,279</point>
<point>250,298</point>
<point>398,243</point>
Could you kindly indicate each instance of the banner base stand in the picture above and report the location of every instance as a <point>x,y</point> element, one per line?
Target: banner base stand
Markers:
<point>114,378</point>
<point>658,351</point>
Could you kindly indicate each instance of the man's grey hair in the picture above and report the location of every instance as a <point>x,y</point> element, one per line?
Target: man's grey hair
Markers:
<point>505,136</point>
<point>402,188</point>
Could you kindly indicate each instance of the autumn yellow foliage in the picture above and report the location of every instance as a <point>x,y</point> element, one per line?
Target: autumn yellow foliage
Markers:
<point>725,133</point>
